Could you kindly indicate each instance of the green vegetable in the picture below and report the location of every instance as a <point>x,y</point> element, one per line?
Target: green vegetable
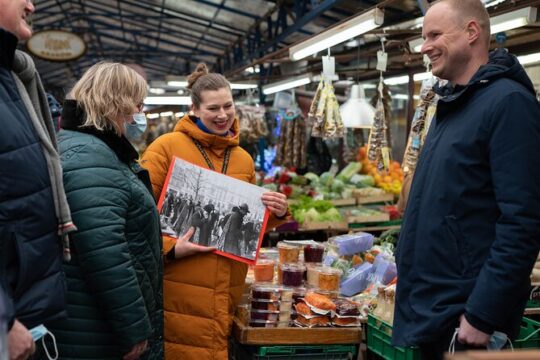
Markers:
<point>348,171</point>
<point>337,186</point>
<point>362,180</point>
<point>312,177</point>
<point>326,178</point>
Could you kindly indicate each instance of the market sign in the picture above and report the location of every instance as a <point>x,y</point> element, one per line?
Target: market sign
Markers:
<point>56,45</point>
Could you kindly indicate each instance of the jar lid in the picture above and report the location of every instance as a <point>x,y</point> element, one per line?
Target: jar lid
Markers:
<point>293,267</point>
<point>265,262</point>
<point>284,245</point>
<point>327,270</point>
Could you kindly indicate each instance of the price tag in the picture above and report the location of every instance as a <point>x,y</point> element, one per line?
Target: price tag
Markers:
<point>382,60</point>
<point>386,157</point>
<point>329,67</point>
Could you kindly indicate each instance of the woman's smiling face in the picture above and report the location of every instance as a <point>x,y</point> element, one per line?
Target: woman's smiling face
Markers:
<point>216,110</point>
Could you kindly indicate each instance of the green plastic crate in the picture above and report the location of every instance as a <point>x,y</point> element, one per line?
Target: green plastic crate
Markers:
<point>529,335</point>
<point>286,352</point>
<point>379,336</point>
<point>533,304</point>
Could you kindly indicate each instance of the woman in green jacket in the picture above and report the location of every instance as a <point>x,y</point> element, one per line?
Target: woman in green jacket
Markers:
<point>114,279</point>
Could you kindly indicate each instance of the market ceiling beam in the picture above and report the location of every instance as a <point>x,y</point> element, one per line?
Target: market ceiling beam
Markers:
<point>287,30</point>
<point>170,28</point>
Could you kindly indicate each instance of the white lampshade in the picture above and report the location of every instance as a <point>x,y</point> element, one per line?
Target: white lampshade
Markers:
<point>357,112</point>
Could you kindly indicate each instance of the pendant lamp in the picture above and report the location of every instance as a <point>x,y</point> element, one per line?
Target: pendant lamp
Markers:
<point>357,112</point>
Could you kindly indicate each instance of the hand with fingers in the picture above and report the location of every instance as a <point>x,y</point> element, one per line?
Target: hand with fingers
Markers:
<point>21,346</point>
<point>185,248</point>
<point>468,334</point>
<point>276,203</point>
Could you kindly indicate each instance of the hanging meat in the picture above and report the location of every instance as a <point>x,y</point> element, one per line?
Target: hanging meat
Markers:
<point>324,113</point>
<point>420,124</point>
<point>291,147</point>
<point>379,149</point>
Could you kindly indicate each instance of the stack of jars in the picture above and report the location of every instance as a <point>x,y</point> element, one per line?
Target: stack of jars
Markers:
<point>270,305</point>
<point>294,274</point>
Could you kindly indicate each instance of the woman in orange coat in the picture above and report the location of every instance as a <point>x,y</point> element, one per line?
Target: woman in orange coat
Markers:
<point>202,289</point>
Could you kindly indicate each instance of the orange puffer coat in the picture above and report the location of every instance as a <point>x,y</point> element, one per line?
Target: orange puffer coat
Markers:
<point>201,291</point>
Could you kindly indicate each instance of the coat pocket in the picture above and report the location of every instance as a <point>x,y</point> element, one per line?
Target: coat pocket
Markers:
<point>456,236</point>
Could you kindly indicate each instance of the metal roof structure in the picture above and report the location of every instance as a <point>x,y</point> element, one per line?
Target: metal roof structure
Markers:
<point>169,37</point>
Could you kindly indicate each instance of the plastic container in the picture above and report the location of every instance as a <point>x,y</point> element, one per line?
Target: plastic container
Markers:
<point>286,294</point>
<point>313,270</point>
<point>298,294</point>
<point>327,293</point>
<point>379,337</point>
<point>288,253</point>
<point>242,313</point>
<point>329,279</point>
<point>266,291</point>
<point>284,316</point>
<point>313,253</point>
<point>264,315</point>
<point>351,244</point>
<point>292,274</point>
<point>264,270</point>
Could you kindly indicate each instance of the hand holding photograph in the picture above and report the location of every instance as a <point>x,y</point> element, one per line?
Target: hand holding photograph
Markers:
<point>226,213</point>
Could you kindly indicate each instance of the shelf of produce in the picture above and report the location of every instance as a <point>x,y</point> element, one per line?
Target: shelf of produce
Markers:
<point>294,335</point>
<point>375,228</point>
<point>383,198</point>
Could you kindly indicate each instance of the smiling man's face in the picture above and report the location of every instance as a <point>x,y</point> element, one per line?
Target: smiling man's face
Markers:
<point>13,17</point>
<point>445,42</point>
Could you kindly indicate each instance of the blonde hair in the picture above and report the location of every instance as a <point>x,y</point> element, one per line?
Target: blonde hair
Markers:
<point>467,10</point>
<point>106,91</point>
<point>201,80</point>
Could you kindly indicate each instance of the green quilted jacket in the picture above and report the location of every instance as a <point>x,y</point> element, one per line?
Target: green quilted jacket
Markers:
<point>114,280</point>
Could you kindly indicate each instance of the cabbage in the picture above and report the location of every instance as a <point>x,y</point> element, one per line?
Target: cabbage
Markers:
<point>362,180</point>
<point>337,186</point>
<point>312,177</point>
<point>312,215</point>
<point>326,178</point>
<point>331,215</point>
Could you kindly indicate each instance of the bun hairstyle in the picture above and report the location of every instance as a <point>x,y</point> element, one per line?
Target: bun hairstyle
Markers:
<point>201,80</point>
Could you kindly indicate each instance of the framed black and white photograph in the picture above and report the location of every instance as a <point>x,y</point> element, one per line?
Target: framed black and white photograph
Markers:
<point>226,213</point>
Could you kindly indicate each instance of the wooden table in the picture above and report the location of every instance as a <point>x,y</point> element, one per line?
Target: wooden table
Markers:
<point>295,335</point>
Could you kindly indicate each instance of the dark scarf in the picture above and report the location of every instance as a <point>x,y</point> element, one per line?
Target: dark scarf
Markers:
<point>73,117</point>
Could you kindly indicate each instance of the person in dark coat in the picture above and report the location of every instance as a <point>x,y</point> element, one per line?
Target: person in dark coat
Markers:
<point>233,230</point>
<point>33,205</point>
<point>208,225</point>
<point>196,222</point>
<point>115,296</point>
<point>471,229</point>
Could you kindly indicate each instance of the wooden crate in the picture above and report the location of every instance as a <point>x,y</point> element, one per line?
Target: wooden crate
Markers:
<point>383,198</point>
<point>383,217</point>
<point>344,202</point>
<point>326,225</point>
<point>295,336</point>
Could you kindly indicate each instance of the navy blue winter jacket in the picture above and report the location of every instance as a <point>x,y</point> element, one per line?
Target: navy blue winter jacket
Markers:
<point>471,231</point>
<point>30,251</point>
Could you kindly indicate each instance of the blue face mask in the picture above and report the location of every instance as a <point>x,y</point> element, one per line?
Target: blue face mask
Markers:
<point>39,332</point>
<point>497,341</point>
<point>135,131</point>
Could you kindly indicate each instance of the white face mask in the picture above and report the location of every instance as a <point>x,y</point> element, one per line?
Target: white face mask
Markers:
<point>39,332</point>
<point>135,131</point>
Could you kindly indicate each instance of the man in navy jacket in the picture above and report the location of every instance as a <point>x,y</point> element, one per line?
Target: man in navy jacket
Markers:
<point>30,248</point>
<point>471,230</point>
